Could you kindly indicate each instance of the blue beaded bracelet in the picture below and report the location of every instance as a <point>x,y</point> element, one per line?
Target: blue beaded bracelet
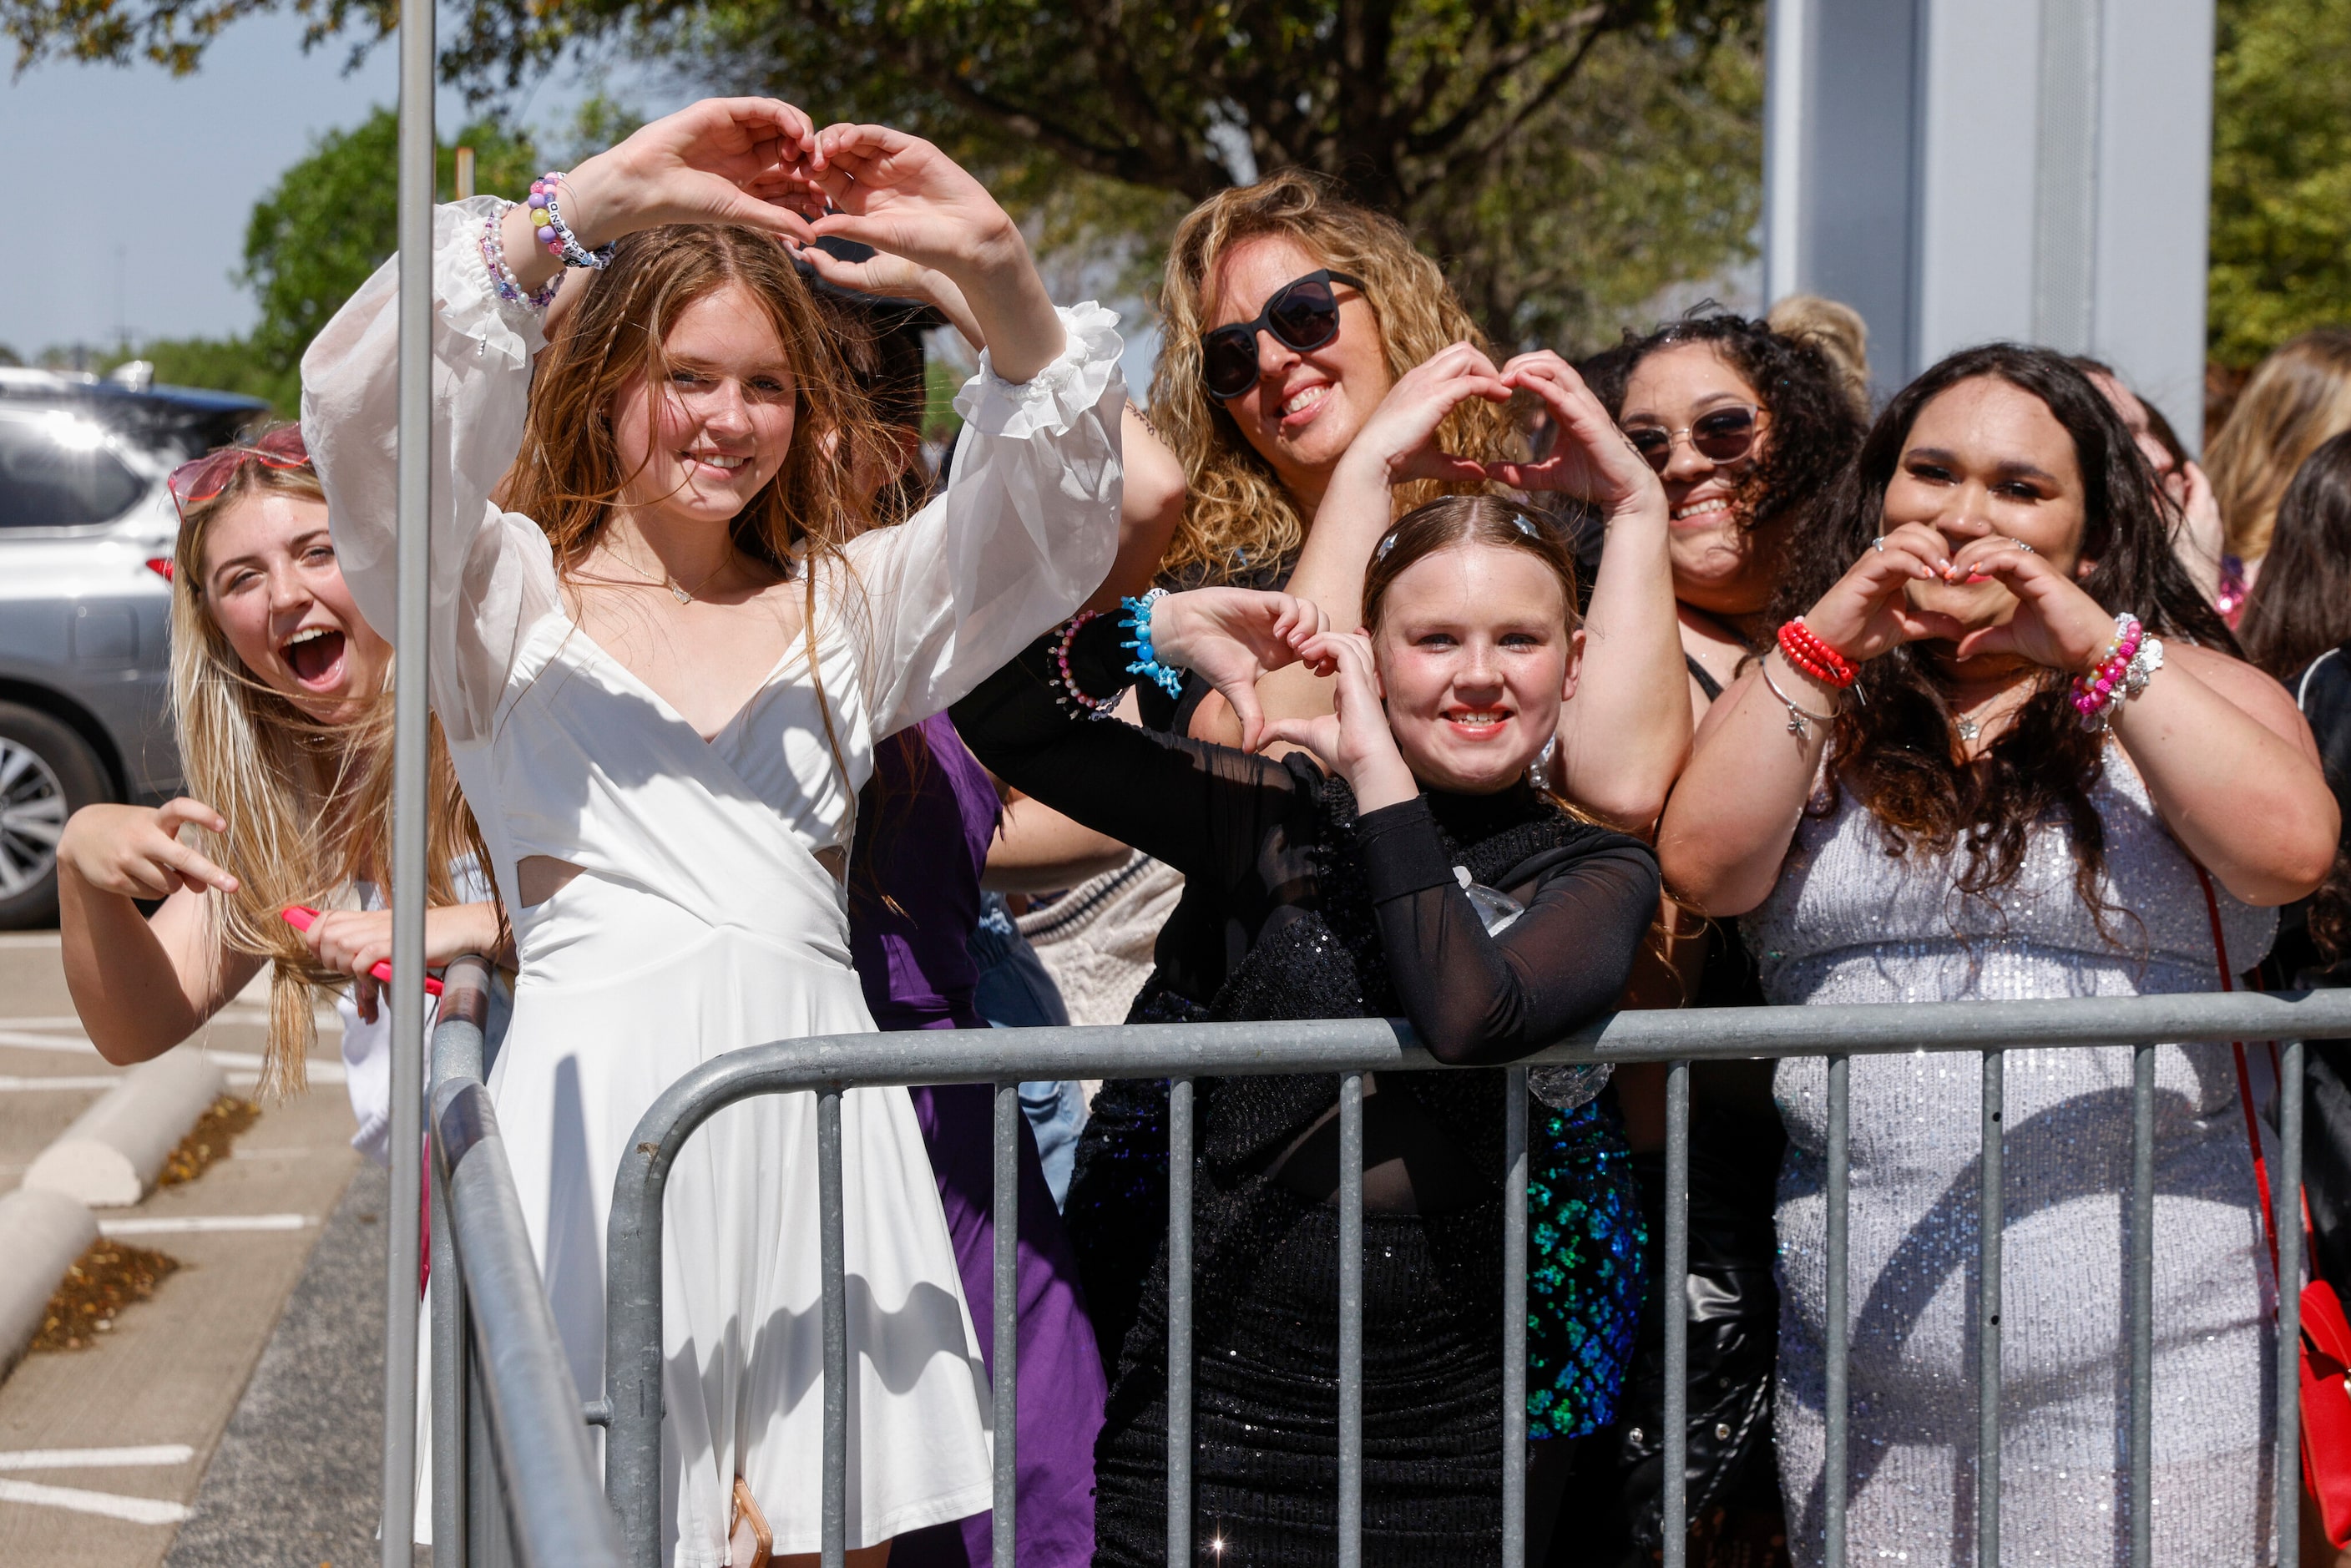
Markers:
<point>1137,623</point>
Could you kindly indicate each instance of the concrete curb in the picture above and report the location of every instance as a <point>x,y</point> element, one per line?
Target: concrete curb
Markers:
<point>41,1235</point>
<point>113,1152</point>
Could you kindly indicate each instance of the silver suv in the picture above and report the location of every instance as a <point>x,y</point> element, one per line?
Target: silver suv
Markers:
<point>86,536</point>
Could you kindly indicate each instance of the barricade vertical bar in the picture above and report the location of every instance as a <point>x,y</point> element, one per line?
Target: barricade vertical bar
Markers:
<point>1351,1320</point>
<point>450,1429</point>
<point>1179,1322</point>
<point>1006,1370</point>
<point>1514,1318</point>
<point>409,781</point>
<point>835,1525</point>
<point>1835,1473</point>
<point>2286,1190</point>
<point>2142,1307</point>
<point>1674,1511</point>
<point>1989,1219</point>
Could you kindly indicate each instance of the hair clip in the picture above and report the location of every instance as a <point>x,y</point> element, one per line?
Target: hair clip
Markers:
<point>1526,526</point>
<point>1387,543</point>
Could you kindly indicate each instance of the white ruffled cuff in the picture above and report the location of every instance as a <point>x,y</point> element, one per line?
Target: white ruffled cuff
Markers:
<point>471,305</point>
<point>1052,399</point>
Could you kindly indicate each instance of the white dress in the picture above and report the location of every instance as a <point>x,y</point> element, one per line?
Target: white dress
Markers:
<point>702,921</point>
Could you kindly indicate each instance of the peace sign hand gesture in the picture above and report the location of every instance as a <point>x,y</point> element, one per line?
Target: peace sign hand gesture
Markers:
<point>1867,611</point>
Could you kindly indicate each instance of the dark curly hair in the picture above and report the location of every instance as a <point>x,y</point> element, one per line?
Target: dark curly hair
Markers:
<point>1814,430</point>
<point>1896,748</point>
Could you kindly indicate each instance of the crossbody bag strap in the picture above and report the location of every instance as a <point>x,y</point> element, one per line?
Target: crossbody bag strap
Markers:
<point>2244,1079</point>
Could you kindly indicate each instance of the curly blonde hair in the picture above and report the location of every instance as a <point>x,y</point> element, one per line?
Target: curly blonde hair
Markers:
<point>1237,515</point>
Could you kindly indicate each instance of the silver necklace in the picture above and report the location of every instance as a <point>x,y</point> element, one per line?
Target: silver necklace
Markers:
<point>1967,729</point>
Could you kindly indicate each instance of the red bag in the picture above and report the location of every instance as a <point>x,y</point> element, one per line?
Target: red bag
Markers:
<point>2326,1334</point>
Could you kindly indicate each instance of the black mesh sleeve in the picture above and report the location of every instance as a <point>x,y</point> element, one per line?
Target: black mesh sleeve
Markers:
<point>1473,997</point>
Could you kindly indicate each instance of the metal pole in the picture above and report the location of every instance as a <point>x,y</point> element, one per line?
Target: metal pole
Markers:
<point>1351,1320</point>
<point>1514,1318</point>
<point>409,781</point>
<point>2142,1306</point>
<point>1989,1217</point>
<point>2285,1188</point>
<point>1835,1473</point>
<point>457,1055</point>
<point>1006,1219</point>
<point>835,1522</point>
<point>1673,1516</point>
<point>1179,1322</point>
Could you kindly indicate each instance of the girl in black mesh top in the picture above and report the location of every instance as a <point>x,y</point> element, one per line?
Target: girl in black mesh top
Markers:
<point>1337,881</point>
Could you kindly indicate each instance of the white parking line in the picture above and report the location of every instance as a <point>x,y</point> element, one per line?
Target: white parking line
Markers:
<point>95,1458</point>
<point>244,1063</point>
<point>59,1082</point>
<point>202,1224</point>
<point>137,1510</point>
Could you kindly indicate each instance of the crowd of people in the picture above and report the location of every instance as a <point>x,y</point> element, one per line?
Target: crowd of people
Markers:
<point>1358,670</point>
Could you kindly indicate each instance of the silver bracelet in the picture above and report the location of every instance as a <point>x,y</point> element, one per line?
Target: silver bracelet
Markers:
<point>1797,718</point>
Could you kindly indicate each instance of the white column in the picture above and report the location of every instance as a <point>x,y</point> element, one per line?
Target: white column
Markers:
<point>1960,170</point>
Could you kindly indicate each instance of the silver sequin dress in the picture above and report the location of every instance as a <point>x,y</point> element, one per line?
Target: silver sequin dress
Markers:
<point>1848,924</point>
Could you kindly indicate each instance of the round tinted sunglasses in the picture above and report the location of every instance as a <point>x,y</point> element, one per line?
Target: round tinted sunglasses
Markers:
<point>1718,435</point>
<point>195,483</point>
<point>1302,314</point>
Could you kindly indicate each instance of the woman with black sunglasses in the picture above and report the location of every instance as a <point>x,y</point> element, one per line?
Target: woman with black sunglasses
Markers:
<point>1292,316</point>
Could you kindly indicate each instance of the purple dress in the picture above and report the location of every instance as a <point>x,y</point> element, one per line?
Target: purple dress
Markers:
<point>924,825</point>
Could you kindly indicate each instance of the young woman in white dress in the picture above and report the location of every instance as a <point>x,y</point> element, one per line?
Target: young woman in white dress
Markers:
<point>662,654</point>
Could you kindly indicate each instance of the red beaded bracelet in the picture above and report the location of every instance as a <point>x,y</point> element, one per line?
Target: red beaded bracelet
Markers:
<point>1804,649</point>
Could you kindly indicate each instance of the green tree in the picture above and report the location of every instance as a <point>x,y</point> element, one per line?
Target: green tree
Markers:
<point>333,218</point>
<point>2281,174</point>
<point>1564,159</point>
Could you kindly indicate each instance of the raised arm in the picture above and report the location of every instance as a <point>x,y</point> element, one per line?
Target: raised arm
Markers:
<point>1624,736</point>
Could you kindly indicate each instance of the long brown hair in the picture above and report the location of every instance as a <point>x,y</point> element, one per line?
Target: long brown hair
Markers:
<point>2298,397</point>
<point>571,472</point>
<point>308,803</point>
<point>1451,520</point>
<point>2300,603</point>
<point>1893,747</point>
<point>1236,515</point>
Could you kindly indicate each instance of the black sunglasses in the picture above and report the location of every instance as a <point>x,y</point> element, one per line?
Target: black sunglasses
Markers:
<point>1718,435</point>
<point>1303,314</point>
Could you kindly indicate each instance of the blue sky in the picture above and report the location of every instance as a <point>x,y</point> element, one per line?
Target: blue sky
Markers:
<point>133,187</point>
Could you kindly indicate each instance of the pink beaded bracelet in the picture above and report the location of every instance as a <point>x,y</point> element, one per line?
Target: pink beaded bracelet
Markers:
<point>1071,696</point>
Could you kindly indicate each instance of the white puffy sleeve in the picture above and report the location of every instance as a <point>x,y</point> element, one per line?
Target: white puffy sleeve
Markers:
<point>493,573</point>
<point>1023,533</point>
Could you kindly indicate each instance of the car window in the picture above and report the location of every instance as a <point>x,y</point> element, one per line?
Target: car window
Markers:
<point>54,473</point>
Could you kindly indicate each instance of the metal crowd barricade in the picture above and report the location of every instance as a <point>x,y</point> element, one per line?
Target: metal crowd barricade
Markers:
<point>514,1474</point>
<point>632,1406</point>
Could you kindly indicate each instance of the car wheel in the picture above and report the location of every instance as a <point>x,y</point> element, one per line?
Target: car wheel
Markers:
<point>48,772</point>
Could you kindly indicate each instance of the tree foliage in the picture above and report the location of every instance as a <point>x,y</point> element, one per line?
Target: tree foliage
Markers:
<point>1564,159</point>
<point>2281,174</point>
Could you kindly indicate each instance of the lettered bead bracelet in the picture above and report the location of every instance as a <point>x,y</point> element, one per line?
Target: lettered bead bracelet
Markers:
<point>550,229</point>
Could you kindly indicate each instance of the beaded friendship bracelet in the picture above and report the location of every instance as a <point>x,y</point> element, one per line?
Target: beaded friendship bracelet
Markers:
<point>551,231</point>
<point>1805,650</point>
<point>1137,623</point>
<point>1072,696</point>
<point>2131,660</point>
<point>502,278</point>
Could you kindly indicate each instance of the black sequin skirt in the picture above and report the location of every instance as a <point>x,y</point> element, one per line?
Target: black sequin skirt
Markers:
<point>1266,1393</point>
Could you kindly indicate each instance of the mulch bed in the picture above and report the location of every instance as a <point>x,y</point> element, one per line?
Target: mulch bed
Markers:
<point>108,1278</point>
<point>208,1141</point>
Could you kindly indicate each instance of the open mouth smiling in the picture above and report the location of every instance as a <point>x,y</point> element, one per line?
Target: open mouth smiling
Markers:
<point>1478,722</point>
<point>315,655</point>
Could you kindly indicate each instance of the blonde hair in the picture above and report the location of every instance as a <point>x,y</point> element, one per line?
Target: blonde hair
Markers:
<point>2297,398</point>
<point>1237,514</point>
<point>570,471</point>
<point>308,803</point>
<point>1837,333</point>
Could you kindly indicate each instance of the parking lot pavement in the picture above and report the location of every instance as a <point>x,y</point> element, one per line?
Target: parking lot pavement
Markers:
<point>104,1452</point>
